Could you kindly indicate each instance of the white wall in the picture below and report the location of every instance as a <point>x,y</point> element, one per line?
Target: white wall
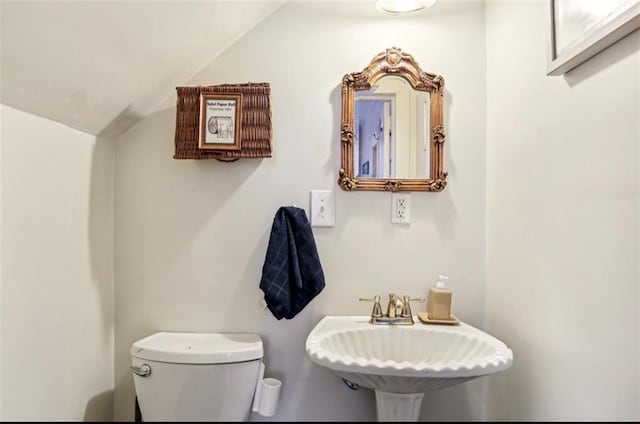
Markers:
<point>1,259</point>
<point>57,271</point>
<point>191,236</point>
<point>563,230</point>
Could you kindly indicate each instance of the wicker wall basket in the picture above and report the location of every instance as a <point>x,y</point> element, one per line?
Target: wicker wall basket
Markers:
<point>256,133</point>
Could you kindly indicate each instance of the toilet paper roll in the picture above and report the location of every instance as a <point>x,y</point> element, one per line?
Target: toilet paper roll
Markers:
<point>269,396</point>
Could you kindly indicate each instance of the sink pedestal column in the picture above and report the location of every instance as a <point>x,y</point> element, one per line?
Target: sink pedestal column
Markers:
<point>398,406</point>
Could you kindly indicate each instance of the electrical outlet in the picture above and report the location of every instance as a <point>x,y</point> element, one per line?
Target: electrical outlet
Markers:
<point>400,208</point>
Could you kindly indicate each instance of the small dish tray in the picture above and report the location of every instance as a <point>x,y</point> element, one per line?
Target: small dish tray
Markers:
<point>424,317</point>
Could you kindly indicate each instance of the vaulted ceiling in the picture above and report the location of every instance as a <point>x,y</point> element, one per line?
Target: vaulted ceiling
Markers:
<point>100,66</point>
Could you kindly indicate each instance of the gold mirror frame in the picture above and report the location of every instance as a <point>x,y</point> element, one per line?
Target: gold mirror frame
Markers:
<point>393,62</point>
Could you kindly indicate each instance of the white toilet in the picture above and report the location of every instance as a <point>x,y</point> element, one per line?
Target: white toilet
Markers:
<point>197,376</point>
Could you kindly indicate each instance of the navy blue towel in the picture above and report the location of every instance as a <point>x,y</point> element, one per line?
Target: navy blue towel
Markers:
<point>291,275</point>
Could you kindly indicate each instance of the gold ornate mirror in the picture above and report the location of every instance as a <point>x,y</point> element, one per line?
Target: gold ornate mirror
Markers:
<point>392,132</point>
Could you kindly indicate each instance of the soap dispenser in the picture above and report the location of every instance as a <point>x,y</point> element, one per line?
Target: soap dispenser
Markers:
<point>439,304</point>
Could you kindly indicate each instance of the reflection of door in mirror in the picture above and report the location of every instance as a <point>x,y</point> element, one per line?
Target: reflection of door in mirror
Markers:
<point>373,149</point>
<point>392,130</point>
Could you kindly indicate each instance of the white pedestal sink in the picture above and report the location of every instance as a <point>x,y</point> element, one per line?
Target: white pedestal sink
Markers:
<point>401,362</point>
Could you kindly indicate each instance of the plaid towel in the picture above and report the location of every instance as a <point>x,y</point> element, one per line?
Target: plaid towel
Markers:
<point>291,275</point>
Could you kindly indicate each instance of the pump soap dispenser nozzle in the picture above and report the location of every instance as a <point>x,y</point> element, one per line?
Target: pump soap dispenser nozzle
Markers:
<point>439,304</point>
<point>440,284</point>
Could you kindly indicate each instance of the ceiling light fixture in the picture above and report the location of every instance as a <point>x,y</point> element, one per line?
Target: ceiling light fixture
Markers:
<point>403,6</point>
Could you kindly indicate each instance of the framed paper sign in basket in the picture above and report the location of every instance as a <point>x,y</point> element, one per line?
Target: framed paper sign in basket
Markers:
<point>220,121</point>
<point>235,124</point>
<point>582,28</point>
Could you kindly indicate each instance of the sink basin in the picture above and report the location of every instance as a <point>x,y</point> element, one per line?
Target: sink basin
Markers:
<point>404,360</point>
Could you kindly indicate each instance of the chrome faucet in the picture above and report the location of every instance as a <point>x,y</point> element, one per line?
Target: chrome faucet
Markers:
<point>398,310</point>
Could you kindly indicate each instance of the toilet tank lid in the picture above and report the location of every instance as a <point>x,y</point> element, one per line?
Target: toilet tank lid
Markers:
<point>198,348</point>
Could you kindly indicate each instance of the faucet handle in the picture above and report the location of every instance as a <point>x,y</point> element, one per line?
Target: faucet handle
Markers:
<point>377,309</point>
<point>406,307</point>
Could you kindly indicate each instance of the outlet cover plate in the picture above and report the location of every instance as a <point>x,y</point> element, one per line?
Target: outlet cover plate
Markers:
<point>400,208</point>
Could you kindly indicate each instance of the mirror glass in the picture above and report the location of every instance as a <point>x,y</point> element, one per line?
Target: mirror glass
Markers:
<point>392,133</point>
<point>391,130</point>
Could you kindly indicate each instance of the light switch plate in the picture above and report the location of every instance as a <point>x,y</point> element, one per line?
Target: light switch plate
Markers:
<point>323,208</point>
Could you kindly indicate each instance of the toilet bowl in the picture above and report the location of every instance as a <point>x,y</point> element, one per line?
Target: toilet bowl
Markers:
<point>197,376</point>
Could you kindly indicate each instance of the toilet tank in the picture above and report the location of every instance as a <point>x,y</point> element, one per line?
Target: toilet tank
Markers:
<point>197,376</point>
